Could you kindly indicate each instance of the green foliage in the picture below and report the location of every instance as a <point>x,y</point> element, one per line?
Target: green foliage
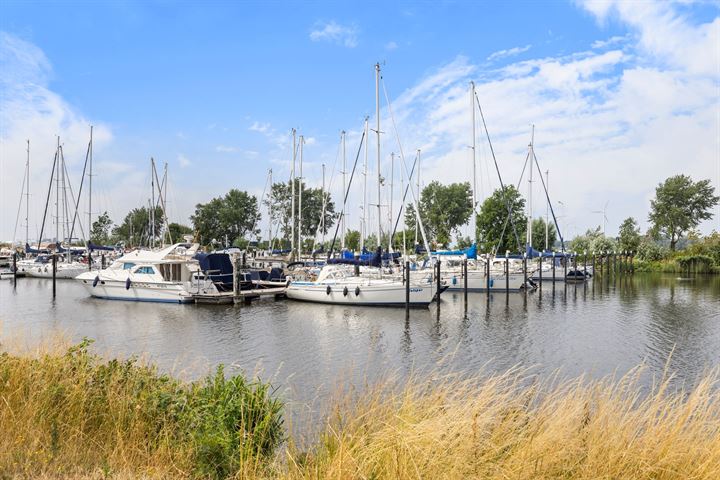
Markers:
<point>232,216</point>
<point>136,229</point>
<point>463,242</point>
<point>538,234</point>
<point>231,422</point>
<point>352,240</point>
<point>443,208</point>
<point>492,217</point>
<point>679,205</point>
<point>695,263</point>
<point>100,233</point>
<point>177,231</point>
<point>586,242</point>
<point>650,251</point>
<point>629,234</point>
<point>280,200</point>
<point>709,246</point>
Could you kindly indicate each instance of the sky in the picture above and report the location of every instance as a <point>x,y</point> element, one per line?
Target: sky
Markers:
<point>622,94</point>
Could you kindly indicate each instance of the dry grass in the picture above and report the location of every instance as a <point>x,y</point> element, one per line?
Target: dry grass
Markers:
<point>56,423</point>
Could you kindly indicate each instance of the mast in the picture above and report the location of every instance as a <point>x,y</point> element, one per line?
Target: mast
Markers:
<point>300,192</point>
<point>344,173</point>
<point>547,209</point>
<point>57,195</point>
<point>270,195</point>
<point>27,196</point>
<point>528,241</point>
<point>402,189</point>
<point>377,132</point>
<point>90,189</point>
<point>418,189</point>
<point>474,174</point>
<point>392,175</point>
<point>152,203</point>
<point>292,197</point>
<point>322,213</point>
<point>363,225</point>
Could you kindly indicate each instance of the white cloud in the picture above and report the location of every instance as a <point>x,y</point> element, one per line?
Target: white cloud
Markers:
<point>183,161</point>
<point>612,41</point>
<point>259,127</point>
<point>225,149</point>
<point>391,46</point>
<point>511,52</point>
<point>345,35</point>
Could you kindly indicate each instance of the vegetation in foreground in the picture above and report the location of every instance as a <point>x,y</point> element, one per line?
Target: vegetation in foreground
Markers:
<point>72,414</point>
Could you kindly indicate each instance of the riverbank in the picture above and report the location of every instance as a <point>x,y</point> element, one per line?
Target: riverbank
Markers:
<point>66,412</point>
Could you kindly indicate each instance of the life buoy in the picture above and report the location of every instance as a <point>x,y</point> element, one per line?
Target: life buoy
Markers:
<point>127,284</point>
<point>95,282</point>
<point>328,290</point>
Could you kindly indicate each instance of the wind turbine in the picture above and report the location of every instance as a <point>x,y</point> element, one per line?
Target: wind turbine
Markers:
<point>603,211</point>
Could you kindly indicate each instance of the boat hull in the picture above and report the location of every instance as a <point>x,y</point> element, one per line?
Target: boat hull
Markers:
<point>137,292</point>
<point>391,295</point>
<point>63,271</point>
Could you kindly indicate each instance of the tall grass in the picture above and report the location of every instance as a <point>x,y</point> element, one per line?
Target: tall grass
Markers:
<point>70,414</point>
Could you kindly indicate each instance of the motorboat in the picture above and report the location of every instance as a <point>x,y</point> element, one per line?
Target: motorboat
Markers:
<point>170,275</point>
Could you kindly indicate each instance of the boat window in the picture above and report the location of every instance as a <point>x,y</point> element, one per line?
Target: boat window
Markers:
<point>128,266</point>
<point>148,270</point>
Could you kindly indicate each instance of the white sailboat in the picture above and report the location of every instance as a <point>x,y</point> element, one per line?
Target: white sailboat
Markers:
<point>169,275</point>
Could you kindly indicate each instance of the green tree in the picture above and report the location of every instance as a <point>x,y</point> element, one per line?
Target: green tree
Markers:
<point>588,242</point>
<point>177,231</point>
<point>493,217</point>
<point>100,233</point>
<point>231,216</point>
<point>443,208</point>
<point>352,240</point>
<point>679,205</point>
<point>280,199</point>
<point>629,234</point>
<point>538,234</point>
<point>136,229</point>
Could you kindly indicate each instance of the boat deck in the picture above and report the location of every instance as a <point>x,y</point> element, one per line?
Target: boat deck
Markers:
<point>244,296</point>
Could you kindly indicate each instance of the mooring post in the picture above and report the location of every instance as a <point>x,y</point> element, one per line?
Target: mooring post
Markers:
<point>585,263</point>
<point>465,279</point>
<point>507,272</point>
<point>438,282</point>
<point>574,260</point>
<point>236,284</point>
<point>407,285</point>
<point>15,269</point>
<point>525,279</point>
<point>244,260</point>
<point>553,260</point>
<point>593,262</point>
<point>632,265</point>
<point>565,265</point>
<point>541,265</point>
<point>102,261</point>
<point>89,261</point>
<point>615,262</point>
<point>54,271</point>
<point>487,273</point>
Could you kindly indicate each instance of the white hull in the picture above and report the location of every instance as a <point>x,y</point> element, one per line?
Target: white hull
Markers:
<point>63,270</point>
<point>168,292</point>
<point>364,292</point>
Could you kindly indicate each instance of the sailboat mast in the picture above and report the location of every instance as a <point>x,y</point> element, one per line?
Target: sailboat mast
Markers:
<point>365,203</point>
<point>324,200</point>
<point>377,132</point>
<point>152,203</point>
<point>402,189</point>
<point>292,196</point>
<point>528,241</point>
<point>547,210</point>
<point>27,196</point>
<point>344,173</point>
<point>57,195</point>
<point>270,195</point>
<point>300,196</point>
<point>392,175</point>
<point>90,175</point>
<point>474,173</point>
<point>418,189</point>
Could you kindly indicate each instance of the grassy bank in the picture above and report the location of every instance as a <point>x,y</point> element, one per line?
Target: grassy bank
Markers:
<point>72,414</point>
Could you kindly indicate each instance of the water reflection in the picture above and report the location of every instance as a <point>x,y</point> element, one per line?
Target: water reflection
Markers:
<point>607,325</point>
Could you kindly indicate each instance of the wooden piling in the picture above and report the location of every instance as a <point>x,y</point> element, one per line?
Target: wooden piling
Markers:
<point>407,286</point>
<point>487,273</point>
<point>525,279</point>
<point>15,269</point>
<point>102,261</point>
<point>54,272</point>
<point>507,274</point>
<point>541,265</point>
<point>585,263</point>
<point>438,282</point>
<point>465,280</point>
<point>553,260</point>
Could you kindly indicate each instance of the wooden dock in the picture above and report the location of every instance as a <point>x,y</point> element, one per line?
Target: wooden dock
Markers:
<point>243,296</point>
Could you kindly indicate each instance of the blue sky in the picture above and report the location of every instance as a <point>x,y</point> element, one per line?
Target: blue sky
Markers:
<point>623,94</point>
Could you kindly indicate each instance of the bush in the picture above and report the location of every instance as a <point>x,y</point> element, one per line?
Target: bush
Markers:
<point>650,251</point>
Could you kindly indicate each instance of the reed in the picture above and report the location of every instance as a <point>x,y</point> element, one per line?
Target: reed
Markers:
<point>67,413</point>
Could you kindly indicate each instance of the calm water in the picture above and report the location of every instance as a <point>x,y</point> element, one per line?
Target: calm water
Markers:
<point>308,350</point>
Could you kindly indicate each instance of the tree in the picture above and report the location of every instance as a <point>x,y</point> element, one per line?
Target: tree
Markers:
<point>177,231</point>
<point>352,240</point>
<point>538,234</point>
<point>136,229</point>
<point>629,234</point>
<point>232,217</point>
<point>443,208</point>
<point>100,233</point>
<point>679,205</point>
<point>280,200</point>
<point>493,217</point>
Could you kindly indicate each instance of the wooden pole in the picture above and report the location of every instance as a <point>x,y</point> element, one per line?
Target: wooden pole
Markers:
<point>541,265</point>
<point>553,260</point>
<point>465,279</point>
<point>438,283</point>
<point>54,272</point>
<point>525,279</point>
<point>15,269</point>
<point>407,286</point>
<point>507,274</point>
<point>487,274</point>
